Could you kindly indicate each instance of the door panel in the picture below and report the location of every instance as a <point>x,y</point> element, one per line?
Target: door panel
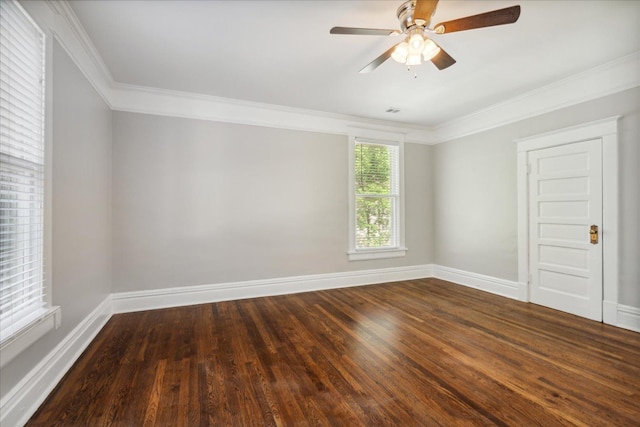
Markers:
<point>566,232</point>
<point>564,186</point>
<point>564,255</point>
<point>565,199</point>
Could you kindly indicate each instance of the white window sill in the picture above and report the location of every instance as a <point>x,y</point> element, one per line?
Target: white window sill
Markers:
<point>361,255</point>
<point>33,329</point>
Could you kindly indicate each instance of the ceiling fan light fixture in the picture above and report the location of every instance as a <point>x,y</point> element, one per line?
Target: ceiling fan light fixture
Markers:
<point>414,59</point>
<point>401,52</point>
<point>430,50</point>
<point>416,43</point>
<point>414,49</point>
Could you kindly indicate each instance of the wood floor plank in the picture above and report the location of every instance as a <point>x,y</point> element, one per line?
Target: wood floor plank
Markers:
<point>156,395</point>
<point>421,352</point>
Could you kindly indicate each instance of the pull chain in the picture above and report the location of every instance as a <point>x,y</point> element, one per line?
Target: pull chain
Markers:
<point>415,75</point>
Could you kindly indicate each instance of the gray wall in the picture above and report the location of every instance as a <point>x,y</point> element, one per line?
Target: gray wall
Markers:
<point>475,192</point>
<point>81,262</point>
<point>198,202</point>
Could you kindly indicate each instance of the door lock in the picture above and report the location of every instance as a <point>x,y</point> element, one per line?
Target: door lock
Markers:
<point>593,234</point>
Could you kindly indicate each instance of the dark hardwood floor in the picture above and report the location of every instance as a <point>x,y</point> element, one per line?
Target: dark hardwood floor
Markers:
<point>415,353</point>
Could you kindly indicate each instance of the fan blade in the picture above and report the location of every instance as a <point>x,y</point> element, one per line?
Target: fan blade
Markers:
<point>363,31</point>
<point>507,15</point>
<point>424,9</point>
<point>443,60</point>
<point>379,60</point>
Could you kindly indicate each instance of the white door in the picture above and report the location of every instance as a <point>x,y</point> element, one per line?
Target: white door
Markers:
<point>565,201</point>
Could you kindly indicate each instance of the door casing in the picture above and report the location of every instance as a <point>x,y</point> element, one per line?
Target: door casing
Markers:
<point>607,131</point>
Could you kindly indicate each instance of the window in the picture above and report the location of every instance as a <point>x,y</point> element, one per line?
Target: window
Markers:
<point>23,304</point>
<point>376,213</point>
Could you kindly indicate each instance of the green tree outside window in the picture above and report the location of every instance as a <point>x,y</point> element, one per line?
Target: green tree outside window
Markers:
<point>376,195</point>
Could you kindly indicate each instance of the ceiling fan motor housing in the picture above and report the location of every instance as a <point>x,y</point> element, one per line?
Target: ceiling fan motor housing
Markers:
<point>405,16</point>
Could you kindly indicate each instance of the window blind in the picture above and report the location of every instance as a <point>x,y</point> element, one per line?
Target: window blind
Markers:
<point>377,193</point>
<point>22,46</point>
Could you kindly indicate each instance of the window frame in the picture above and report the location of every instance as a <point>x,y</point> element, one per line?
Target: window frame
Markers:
<point>379,138</point>
<point>50,318</point>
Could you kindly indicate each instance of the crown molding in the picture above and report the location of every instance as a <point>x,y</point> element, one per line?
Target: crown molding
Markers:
<point>60,19</point>
<point>57,20</point>
<point>63,8</point>
<point>139,99</point>
<point>606,79</point>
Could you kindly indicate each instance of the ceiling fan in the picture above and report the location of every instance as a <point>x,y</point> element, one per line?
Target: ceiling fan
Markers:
<point>415,20</point>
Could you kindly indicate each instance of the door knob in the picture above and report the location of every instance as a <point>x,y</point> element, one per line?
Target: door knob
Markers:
<point>593,234</point>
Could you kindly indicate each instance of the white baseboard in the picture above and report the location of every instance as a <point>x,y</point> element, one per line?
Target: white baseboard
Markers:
<point>628,317</point>
<point>610,312</point>
<point>124,302</point>
<point>505,288</point>
<point>21,402</point>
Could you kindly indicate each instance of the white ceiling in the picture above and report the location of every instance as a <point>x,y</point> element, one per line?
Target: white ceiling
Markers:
<point>281,52</point>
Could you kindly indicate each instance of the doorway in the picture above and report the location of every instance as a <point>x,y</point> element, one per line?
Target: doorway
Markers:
<point>567,219</point>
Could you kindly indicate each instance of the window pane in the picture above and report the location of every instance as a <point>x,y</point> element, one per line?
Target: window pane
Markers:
<point>373,169</point>
<point>374,222</point>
